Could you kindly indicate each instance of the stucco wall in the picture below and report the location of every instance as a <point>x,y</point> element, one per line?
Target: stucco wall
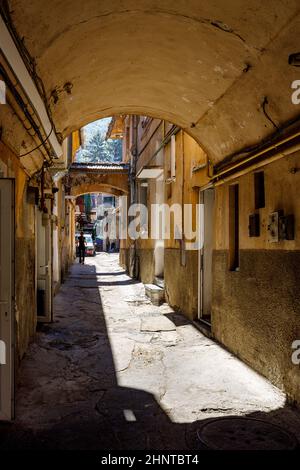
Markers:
<point>181,264</point>
<point>256,310</point>
<point>146,265</point>
<point>180,268</point>
<point>182,281</point>
<point>25,302</point>
<point>123,258</point>
<point>25,294</point>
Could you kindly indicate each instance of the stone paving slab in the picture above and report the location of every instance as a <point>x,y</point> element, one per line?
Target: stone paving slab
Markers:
<point>115,372</point>
<point>157,323</point>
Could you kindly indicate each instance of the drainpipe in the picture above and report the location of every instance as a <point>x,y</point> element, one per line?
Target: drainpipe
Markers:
<point>133,160</point>
<point>43,207</point>
<point>133,271</point>
<point>182,195</point>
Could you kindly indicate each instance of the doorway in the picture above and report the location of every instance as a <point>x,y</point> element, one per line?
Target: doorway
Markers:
<point>7,311</point>
<point>44,265</point>
<point>159,245</point>
<point>207,199</point>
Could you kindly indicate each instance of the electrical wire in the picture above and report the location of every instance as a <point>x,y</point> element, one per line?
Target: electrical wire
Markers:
<point>30,64</point>
<point>236,156</point>
<point>264,103</point>
<point>36,148</point>
<point>23,106</point>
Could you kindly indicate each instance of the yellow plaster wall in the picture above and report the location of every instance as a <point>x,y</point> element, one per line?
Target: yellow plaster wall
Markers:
<point>255,310</point>
<point>282,188</point>
<point>24,253</point>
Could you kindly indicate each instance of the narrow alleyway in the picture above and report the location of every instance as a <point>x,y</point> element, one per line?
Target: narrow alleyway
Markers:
<point>115,372</point>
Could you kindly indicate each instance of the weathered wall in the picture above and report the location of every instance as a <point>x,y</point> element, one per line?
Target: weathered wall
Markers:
<point>182,281</point>
<point>24,253</point>
<point>123,257</point>
<point>149,138</point>
<point>64,242</point>
<point>256,310</point>
<point>181,264</point>
<point>150,135</point>
<point>146,265</point>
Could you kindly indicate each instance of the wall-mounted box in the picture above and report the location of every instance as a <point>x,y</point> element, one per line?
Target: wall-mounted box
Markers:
<point>273,227</point>
<point>33,195</point>
<point>281,227</point>
<point>287,227</point>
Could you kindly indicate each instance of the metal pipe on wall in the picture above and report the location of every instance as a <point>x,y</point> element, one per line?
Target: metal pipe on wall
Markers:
<point>258,165</point>
<point>275,147</point>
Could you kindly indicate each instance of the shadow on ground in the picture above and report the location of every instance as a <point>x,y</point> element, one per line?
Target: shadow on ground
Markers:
<point>68,396</point>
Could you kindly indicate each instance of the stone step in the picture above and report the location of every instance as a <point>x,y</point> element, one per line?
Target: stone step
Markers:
<point>160,282</point>
<point>155,293</point>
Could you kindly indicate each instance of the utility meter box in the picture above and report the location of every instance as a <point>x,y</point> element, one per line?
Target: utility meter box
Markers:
<point>281,227</point>
<point>273,227</point>
<point>286,227</point>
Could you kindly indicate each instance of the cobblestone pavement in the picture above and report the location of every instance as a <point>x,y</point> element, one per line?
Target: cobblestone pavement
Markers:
<point>114,371</point>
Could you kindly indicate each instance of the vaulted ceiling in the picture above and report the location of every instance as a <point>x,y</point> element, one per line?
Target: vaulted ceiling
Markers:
<point>218,68</point>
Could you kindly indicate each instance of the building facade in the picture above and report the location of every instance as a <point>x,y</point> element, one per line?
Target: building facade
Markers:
<point>240,284</point>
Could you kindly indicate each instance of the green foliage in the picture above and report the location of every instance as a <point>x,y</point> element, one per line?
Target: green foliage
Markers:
<point>100,150</point>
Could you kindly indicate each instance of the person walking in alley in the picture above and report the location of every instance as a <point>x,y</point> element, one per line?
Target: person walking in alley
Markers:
<point>81,247</point>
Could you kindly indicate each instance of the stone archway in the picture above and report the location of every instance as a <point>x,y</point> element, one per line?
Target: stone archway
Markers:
<point>89,188</point>
<point>219,69</point>
<point>95,178</point>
